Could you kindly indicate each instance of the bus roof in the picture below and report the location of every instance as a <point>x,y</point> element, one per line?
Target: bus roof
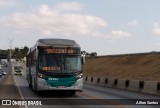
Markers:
<point>55,42</point>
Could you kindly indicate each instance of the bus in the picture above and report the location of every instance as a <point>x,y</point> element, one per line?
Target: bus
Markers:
<point>55,64</point>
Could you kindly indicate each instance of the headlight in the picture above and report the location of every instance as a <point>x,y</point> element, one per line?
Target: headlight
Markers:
<point>41,76</point>
<point>80,76</point>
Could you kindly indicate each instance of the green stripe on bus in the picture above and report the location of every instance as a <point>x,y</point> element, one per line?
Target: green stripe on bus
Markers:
<point>66,82</point>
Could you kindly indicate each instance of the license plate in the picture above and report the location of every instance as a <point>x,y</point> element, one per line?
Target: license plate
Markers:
<point>61,86</point>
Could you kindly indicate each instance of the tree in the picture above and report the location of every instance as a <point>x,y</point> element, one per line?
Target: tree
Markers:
<point>26,49</point>
<point>16,52</point>
<point>21,53</point>
<point>94,54</point>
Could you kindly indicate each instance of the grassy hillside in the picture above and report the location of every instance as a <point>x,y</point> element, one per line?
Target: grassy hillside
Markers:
<point>141,67</point>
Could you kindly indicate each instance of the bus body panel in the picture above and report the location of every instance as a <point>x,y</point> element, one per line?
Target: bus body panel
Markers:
<point>43,85</point>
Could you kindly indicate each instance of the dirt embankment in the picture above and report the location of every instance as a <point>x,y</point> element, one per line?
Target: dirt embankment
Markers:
<point>140,67</point>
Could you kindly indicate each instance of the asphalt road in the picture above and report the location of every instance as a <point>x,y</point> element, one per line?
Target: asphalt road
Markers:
<point>91,97</point>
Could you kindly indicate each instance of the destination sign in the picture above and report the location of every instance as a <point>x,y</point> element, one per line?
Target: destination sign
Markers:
<point>53,51</point>
<point>59,51</point>
<point>50,68</point>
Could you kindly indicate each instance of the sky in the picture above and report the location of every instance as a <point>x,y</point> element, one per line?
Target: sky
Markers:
<point>103,26</point>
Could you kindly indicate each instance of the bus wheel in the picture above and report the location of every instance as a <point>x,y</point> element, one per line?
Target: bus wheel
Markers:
<point>36,88</point>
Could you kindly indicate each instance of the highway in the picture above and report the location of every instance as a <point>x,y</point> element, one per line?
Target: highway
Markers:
<point>91,97</point>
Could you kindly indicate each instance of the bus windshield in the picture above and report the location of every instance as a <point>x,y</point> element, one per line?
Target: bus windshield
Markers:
<point>60,63</point>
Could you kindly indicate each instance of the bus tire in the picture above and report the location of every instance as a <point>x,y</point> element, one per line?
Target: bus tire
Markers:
<point>36,88</point>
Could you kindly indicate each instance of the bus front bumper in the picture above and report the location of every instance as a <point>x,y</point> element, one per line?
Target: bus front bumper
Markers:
<point>43,85</point>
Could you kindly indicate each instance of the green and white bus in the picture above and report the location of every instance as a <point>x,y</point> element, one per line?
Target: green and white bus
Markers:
<point>55,64</point>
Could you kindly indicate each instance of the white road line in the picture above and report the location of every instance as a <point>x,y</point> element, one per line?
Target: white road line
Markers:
<point>16,84</point>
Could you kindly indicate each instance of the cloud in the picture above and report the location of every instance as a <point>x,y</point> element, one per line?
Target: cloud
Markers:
<point>7,3</point>
<point>113,35</point>
<point>52,21</point>
<point>133,23</point>
<point>156,28</point>
<point>69,6</point>
<point>119,34</point>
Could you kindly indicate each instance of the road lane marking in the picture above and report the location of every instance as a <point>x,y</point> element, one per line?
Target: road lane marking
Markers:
<point>19,91</point>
